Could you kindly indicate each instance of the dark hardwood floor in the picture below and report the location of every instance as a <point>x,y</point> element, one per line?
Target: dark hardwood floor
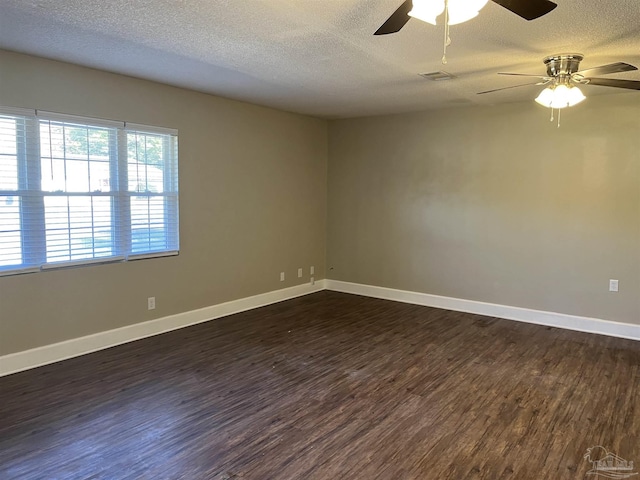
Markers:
<point>329,386</point>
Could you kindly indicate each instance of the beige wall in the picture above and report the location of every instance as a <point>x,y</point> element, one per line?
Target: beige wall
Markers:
<point>490,204</point>
<point>252,204</point>
<point>493,204</point>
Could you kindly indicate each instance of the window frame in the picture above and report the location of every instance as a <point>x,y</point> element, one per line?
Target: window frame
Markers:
<point>33,226</point>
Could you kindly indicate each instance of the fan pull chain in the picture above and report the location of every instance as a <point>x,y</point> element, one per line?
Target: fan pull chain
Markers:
<point>559,112</point>
<point>447,38</point>
<point>551,119</point>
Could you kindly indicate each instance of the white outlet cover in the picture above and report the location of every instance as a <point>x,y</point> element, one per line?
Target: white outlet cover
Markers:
<point>299,273</point>
<point>282,276</point>
<point>313,270</point>
<point>613,285</point>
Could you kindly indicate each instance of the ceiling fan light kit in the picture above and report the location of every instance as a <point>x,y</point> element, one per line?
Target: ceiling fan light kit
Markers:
<point>560,96</point>
<point>459,11</point>
<point>427,10</point>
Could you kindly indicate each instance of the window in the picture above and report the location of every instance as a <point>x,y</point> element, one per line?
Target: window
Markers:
<point>75,190</point>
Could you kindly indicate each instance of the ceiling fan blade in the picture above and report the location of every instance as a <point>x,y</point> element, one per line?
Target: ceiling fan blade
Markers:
<point>397,20</point>
<point>613,82</point>
<point>525,75</point>
<point>513,86</point>
<point>527,9</point>
<point>606,69</point>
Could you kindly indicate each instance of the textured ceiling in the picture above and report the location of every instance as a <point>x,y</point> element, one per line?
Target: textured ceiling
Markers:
<point>319,57</point>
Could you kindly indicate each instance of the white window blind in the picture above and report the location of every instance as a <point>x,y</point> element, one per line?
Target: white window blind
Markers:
<point>75,190</point>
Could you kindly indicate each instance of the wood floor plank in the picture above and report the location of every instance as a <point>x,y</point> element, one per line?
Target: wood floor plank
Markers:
<point>328,386</point>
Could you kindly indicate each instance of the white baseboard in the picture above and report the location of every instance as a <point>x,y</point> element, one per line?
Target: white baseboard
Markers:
<point>17,362</point>
<point>539,317</point>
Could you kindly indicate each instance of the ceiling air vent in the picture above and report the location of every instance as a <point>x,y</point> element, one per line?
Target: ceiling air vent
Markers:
<point>437,76</point>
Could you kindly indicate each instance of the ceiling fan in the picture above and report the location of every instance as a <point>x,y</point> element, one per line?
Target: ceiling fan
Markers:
<point>564,76</point>
<point>458,11</point>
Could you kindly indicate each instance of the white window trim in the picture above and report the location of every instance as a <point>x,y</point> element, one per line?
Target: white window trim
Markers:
<point>123,128</point>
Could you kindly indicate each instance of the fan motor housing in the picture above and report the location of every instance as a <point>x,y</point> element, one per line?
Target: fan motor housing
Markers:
<point>564,64</point>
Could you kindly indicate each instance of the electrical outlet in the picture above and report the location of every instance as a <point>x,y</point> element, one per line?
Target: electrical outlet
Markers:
<point>282,276</point>
<point>613,285</point>
<point>299,273</point>
<point>151,303</point>
<point>312,269</point>
<point>313,281</point>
